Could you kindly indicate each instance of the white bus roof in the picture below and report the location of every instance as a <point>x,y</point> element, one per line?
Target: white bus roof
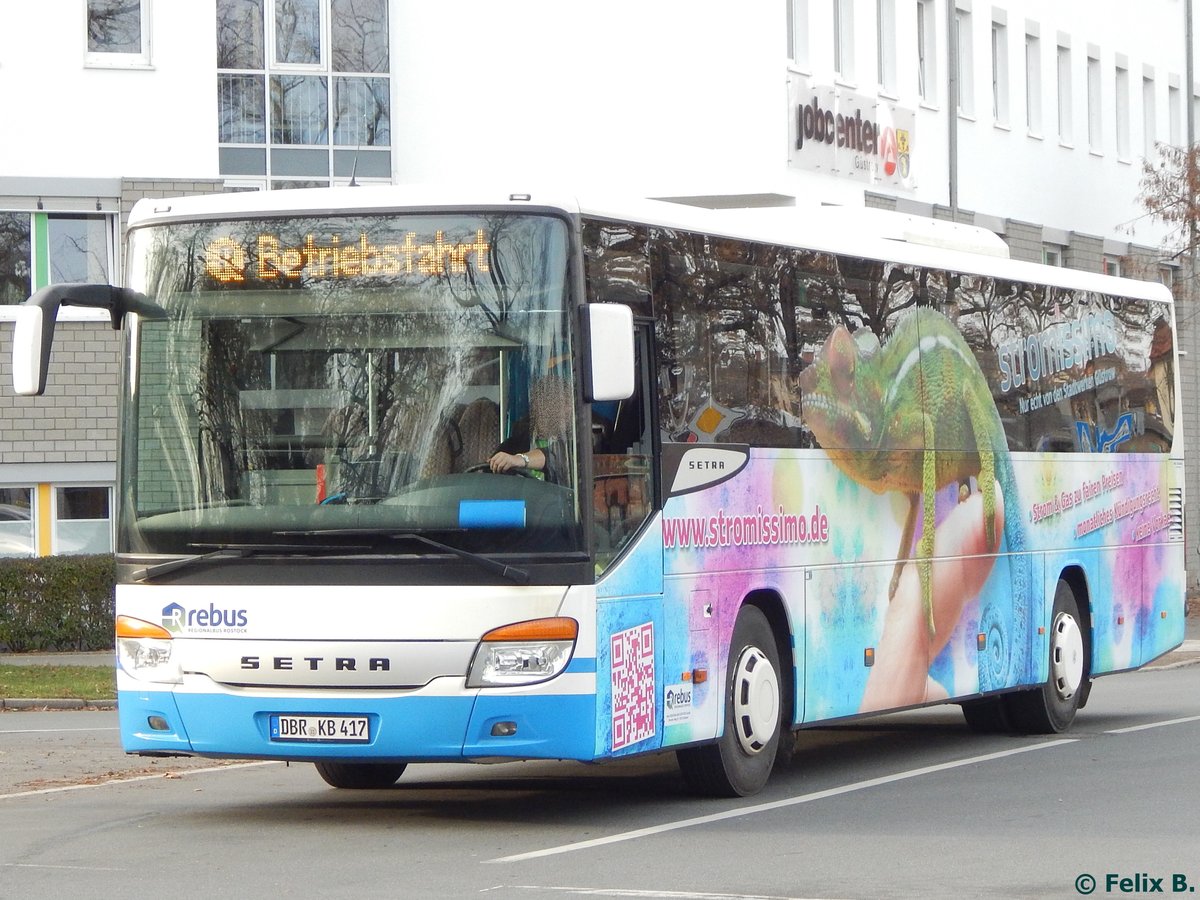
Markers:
<point>855,231</point>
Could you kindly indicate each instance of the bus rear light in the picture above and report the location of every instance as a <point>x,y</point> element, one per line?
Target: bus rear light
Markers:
<point>523,653</point>
<point>144,651</point>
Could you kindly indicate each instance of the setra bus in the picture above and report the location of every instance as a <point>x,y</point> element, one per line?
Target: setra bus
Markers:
<point>408,475</point>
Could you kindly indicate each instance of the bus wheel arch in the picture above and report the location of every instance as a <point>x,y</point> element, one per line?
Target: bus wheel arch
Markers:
<point>1051,707</point>
<point>757,684</point>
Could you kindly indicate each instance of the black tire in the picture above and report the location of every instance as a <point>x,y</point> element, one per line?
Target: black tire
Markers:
<point>987,715</point>
<point>1051,708</point>
<point>359,776</point>
<point>740,762</point>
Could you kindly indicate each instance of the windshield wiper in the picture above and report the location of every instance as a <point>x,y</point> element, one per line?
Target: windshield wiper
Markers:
<point>232,551</point>
<point>512,573</point>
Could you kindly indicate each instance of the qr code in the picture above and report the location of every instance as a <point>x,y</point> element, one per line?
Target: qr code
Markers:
<point>632,685</point>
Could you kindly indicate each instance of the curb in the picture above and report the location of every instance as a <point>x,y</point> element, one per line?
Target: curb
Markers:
<point>57,704</point>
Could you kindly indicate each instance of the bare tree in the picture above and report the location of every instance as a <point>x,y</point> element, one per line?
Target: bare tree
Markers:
<point>1170,194</point>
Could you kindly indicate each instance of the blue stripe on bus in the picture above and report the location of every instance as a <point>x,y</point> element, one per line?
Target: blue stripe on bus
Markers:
<point>548,726</point>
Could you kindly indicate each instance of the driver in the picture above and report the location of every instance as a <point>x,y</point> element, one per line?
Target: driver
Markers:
<point>550,406</point>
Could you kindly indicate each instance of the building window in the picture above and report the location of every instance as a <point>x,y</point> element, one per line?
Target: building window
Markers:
<point>1033,84</point>
<point>1175,134</point>
<point>843,39</point>
<point>885,41</point>
<point>927,51</point>
<point>16,522</point>
<point>77,248</point>
<point>1065,134</point>
<point>298,76</point>
<point>42,248</point>
<point>1166,275</point>
<point>798,34</point>
<point>1122,107</point>
<point>1095,117</point>
<point>966,63</point>
<point>15,254</point>
<point>1000,73</point>
<point>1112,265</point>
<point>1149,117</point>
<point>118,33</point>
<point>1052,254</point>
<point>82,520</point>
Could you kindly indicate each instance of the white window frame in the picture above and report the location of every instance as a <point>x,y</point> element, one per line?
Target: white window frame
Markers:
<point>320,67</point>
<point>798,28</point>
<point>1121,104</point>
<point>1066,112</point>
<point>1052,255</point>
<point>1095,110</point>
<point>1033,83</point>
<point>927,70</point>
<point>885,40</point>
<point>965,102</point>
<point>843,41</point>
<point>55,547</point>
<point>1000,80</point>
<point>100,60</point>
<point>33,520</point>
<point>1111,265</point>
<point>1149,113</point>
<point>1174,112</point>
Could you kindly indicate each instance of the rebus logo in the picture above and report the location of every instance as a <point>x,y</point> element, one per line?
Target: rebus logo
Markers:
<point>175,618</point>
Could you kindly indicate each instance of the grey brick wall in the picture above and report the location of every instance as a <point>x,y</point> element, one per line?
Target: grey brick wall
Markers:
<point>1024,241</point>
<point>1084,252</point>
<point>76,419</point>
<point>135,189</point>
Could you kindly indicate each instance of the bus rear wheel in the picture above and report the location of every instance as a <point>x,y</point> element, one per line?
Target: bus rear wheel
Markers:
<point>1051,708</point>
<point>740,762</point>
<point>359,776</point>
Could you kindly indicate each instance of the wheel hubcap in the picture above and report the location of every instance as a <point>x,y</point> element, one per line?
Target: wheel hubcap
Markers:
<point>1066,656</point>
<point>755,700</point>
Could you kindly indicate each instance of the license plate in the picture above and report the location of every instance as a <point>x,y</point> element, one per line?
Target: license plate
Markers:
<point>352,729</point>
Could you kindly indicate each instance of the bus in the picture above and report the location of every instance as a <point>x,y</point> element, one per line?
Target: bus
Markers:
<point>412,475</point>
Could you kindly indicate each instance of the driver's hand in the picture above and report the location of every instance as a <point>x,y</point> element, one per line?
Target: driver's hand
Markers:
<point>503,462</point>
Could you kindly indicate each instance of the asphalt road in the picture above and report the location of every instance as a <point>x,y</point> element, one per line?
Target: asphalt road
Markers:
<point>905,805</point>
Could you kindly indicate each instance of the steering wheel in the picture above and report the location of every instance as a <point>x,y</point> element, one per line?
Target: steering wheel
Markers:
<point>484,467</point>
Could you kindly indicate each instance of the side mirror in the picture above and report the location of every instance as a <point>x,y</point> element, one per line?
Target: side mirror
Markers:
<point>610,373</point>
<point>33,333</point>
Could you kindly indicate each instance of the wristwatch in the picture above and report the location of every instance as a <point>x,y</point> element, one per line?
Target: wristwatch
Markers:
<point>524,459</point>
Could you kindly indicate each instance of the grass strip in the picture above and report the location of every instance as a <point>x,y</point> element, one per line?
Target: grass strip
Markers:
<point>58,682</point>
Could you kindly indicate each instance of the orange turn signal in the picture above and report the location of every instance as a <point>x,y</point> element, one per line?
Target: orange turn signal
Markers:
<point>555,628</point>
<point>129,627</point>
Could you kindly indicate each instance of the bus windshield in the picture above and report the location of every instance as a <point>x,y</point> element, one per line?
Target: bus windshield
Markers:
<point>344,380</point>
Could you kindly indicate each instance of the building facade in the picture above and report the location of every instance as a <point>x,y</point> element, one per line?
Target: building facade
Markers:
<point>1031,119</point>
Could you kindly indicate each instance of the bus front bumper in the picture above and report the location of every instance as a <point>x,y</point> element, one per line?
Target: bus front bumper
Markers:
<point>427,725</point>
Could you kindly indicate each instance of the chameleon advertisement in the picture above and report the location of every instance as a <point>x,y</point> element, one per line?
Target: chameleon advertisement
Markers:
<point>932,546</point>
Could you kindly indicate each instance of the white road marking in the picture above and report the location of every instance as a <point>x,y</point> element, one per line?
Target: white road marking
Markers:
<point>1149,725</point>
<point>629,892</point>
<point>73,868</point>
<point>178,773</point>
<point>777,804</point>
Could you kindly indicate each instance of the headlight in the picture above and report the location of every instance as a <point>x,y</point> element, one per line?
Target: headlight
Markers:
<point>144,651</point>
<point>524,653</point>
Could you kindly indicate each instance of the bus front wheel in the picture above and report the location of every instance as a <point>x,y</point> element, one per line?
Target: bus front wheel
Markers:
<point>1051,708</point>
<point>359,776</point>
<point>740,762</point>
